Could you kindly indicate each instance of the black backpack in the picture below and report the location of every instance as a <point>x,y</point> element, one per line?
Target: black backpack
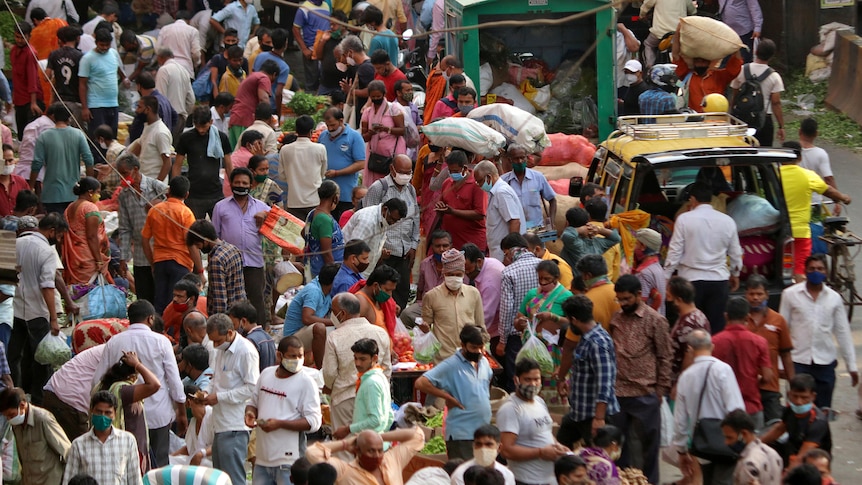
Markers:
<point>748,105</point>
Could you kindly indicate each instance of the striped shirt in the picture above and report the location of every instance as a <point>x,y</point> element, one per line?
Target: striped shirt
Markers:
<point>594,373</point>
<point>186,475</point>
<point>226,282</point>
<point>518,278</point>
<point>402,236</point>
<point>115,461</point>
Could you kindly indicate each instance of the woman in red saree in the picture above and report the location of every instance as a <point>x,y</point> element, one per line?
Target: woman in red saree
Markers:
<point>86,250</point>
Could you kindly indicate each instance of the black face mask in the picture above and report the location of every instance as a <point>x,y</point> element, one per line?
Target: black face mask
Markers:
<point>377,102</point>
<point>265,48</point>
<point>700,70</point>
<point>575,330</point>
<point>206,249</point>
<point>471,356</point>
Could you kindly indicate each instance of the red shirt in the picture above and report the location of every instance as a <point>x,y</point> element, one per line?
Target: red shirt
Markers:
<point>467,197</point>
<point>746,352</point>
<point>25,75</point>
<point>242,113</point>
<point>715,81</point>
<point>390,81</point>
<point>7,198</point>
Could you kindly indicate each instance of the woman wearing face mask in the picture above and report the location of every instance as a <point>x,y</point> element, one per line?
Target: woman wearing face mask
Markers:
<point>106,172</point>
<point>382,129</point>
<point>545,305</point>
<point>120,381</point>
<point>600,458</point>
<point>324,238</point>
<point>269,192</point>
<point>430,161</point>
<point>462,204</point>
<point>86,250</point>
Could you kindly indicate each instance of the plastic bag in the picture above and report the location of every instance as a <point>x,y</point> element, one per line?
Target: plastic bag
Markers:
<point>402,344</point>
<point>425,346</point>
<point>666,424</point>
<point>467,134</point>
<point>53,350</point>
<point>517,125</point>
<point>536,350</point>
<point>102,301</point>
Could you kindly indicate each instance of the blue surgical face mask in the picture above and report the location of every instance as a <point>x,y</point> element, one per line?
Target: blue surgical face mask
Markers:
<point>457,176</point>
<point>815,277</point>
<point>438,257</point>
<point>487,186</point>
<point>801,408</point>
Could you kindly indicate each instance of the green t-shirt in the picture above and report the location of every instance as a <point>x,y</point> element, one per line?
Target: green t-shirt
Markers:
<point>321,226</point>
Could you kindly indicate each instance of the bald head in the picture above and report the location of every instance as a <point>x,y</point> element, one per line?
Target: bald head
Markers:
<point>347,303</point>
<point>485,168</point>
<point>369,440</point>
<point>195,324</point>
<point>402,163</point>
<point>700,341</point>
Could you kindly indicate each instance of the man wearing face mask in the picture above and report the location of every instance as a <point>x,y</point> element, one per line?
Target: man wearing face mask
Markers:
<point>531,186</point>
<point>331,68</point>
<point>371,224</point>
<point>463,382</point>
<point>633,72</point>
<point>356,260</point>
<point>185,298</point>
<point>402,238</point>
<point>452,306</point>
<point>284,405</point>
<point>10,184</point>
<point>354,55</point>
<point>385,71</point>
<point>758,462</point>
<point>372,464</point>
<point>462,204</point>
<point>594,373</point>
<point>306,315</point>
<point>447,106</point>
<point>769,324</point>
<point>707,389</point>
<point>235,377</point>
<point>486,446</point>
<point>373,402</point>
<point>194,366</point>
<point>466,99</point>
<point>244,318</point>
<point>505,213</point>
<point>375,297</point>
<point>41,443</point>
<point>339,369</point>
<point>526,429</point>
<point>345,157</point>
<point>224,267</point>
<point>814,312</point>
<point>430,275</point>
<point>642,377</point>
<point>704,76</point>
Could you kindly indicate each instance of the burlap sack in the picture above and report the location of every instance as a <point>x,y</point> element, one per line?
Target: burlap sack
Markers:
<point>707,38</point>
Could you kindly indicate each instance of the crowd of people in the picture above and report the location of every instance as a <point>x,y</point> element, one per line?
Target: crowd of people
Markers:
<point>199,173</point>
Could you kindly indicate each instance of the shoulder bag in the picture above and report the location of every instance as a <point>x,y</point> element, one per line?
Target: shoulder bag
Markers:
<point>707,440</point>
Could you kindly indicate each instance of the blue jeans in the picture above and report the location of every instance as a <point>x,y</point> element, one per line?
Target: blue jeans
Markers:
<point>824,378</point>
<point>230,449</point>
<point>271,475</point>
<point>166,273</point>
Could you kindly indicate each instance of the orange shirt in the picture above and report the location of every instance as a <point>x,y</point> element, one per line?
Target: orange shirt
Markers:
<point>774,329</point>
<point>715,81</point>
<point>169,239</point>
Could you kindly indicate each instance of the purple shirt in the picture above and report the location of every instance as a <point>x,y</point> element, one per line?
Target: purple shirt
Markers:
<point>743,16</point>
<point>240,229</point>
<point>488,282</point>
<point>429,277</point>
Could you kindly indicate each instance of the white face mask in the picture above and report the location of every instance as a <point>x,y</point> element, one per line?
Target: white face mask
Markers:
<point>223,346</point>
<point>103,145</point>
<point>336,322</point>
<point>19,419</point>
<point>8,169</point>
<point>616,454</point>
<point>350,61</point>
<point>292,365</point>
<point>341,66</point>
<point>630,79</point>
<point>402,178</point>
<point>485,456</point>
<point>454,282</point>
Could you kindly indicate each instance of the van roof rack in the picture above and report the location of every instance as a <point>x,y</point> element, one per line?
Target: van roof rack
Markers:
<point>684,125</point>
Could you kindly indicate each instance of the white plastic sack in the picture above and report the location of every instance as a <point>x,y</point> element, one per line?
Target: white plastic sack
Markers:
<point>752,213</point>
<point>467,134</point>
<point>666,424</point>
<point>53,350</point>
<point>425,346</point>
<point>512,92</point>
<point>707,38</point>
<point>517,125</point>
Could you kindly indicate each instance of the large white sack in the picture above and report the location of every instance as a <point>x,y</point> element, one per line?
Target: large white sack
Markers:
<point>707,38</point>
<point>517,125</point>
<point>467,134</point>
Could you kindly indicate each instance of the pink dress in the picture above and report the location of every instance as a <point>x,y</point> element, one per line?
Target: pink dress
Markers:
<point>381,143</point>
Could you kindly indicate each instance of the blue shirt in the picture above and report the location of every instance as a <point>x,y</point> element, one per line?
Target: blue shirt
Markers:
<point>470,387</point>
<point>344,279</point>
<point>239,228</point>
<point>241,19</point>
<point>594,374</point>
<point>102,81</point>
<point>347,148</point>
<point>656,102</point>
<point>264,345</point>
<point>387,42</point>
<point>283,71</point>
<point>310,296</point>
<point>310,23</point>
<point>531,191</point>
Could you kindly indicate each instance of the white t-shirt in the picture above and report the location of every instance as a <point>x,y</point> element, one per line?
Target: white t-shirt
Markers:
<point>817,160</point>
<point>458,474</point>
<point>155,141</point>
<point>533,425</point>
<point>772,84</point>
<point>290,398</point>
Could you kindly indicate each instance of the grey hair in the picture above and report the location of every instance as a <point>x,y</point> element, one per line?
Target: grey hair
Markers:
<point>699,340</point>
<point>516,146</point>
<point>128,160</point>
<point>348,302</point>
<point>165,52</point>
<point>195,320</point>
<point>219,323</point>
<point>484,168</point>
<point>351,43</point>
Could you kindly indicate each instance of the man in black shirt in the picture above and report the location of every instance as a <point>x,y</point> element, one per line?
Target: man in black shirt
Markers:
<point>204,162</point>
<point>63,70</point>
<point>807,426</point>
<point>636,86</point>
<point>354,55</point>
<point>330,74</point>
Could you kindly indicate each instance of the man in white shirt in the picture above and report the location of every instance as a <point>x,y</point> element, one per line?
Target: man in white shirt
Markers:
<point>772,87</point>
<point>339,370</point>
<point>708,386</point>
<point>665,18</point>
<point>153,148</point>
<point>505,213</point>
<point>814,312</point>
<point>173,81</point>
<point>110,13</point>
<point>814,158</point>
<point>703,240</point>
<point>221,110</point>
<point>486,445</point>
<point>370,224</point>
<point>284,405</point>
<point>263,125</point>
<point>302,165</point>
<point>235,374</point>
<point>185,42</point>
<point>64,9</point>
<point>156,353</point>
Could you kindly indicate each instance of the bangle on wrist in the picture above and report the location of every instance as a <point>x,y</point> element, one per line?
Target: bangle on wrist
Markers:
<point>203,452</point>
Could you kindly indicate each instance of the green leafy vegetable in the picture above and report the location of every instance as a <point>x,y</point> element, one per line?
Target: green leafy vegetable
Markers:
<point>305,104</point>
<point>435,446</point>
<point>435,421</point>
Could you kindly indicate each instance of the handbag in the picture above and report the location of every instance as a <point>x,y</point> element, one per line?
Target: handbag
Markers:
<point>378,163</point>
<point>104,300</point>
<point>707,440</point>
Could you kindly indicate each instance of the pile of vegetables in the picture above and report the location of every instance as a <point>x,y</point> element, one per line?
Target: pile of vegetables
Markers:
<point>435,421</point>
<point>434,446</point>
